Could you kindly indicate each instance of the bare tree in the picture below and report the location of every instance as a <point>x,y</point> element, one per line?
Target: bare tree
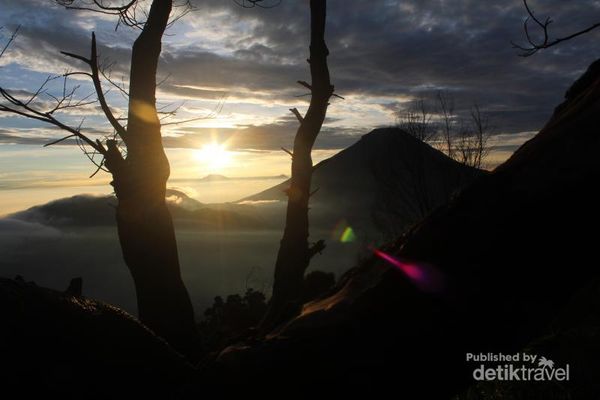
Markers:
<point>482,131</point>
<point>470,144</point>
<point>295,252</point>
<point>446,105</point>
<point>145,226</point>
<point>416,121</point>
<point>462,138</point>
<point>533,46</point>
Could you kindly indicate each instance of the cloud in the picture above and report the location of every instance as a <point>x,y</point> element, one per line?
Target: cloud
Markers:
<point>259,137</point>
<point>16,227</point>
<point>258,202</point>
<point>383,52</point>
<point>265,137</point>
<point>77,237</point>
<point>76,211</point>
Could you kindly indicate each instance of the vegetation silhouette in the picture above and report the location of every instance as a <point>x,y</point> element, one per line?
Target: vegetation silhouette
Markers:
<point>235,319</point>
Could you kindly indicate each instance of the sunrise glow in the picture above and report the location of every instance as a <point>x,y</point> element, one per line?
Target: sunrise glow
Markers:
<point>213,156</point>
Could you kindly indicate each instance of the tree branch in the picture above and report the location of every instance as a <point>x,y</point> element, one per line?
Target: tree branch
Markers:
<point>256,3</point>
<point>92,62</point>
<point>316,248</point>
<point>98,86</point>
<point>297,114</point>
<point>534,46</point>
<point>10,40</point>
<point>25,109</point>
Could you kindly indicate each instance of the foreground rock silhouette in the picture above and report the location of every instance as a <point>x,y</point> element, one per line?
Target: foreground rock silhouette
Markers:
<point>59,345</point>
<point>502,260</point>
<point>511,251</point>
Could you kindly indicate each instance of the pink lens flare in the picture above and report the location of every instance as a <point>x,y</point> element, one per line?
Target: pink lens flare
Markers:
<point>424,277</point>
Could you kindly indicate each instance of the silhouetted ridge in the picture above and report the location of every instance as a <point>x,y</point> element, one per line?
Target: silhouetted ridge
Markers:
<point>93,211</point>
<point>507,254</point>
<point>391,178</point>
<point>56,345</point>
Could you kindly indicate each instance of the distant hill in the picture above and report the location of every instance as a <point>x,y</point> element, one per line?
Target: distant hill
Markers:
<point>214,177</point>
<point>93,211</point>
<point>388,179</point>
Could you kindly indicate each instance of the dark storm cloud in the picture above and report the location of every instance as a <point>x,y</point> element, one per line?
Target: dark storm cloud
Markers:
<point>394,48</point>
<point>380,49</point>
<point>47,29</point>
<point>399,47</point>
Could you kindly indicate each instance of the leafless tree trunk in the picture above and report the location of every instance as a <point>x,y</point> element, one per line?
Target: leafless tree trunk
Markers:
<point>446,105</point>
<point>482,129</point>
<point>416,121</point>
<point>295,252</point>
<point>462,138</point>
<point>471,145</point>
<point>145,226</point>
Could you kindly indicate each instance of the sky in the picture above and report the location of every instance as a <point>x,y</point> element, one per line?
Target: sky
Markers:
<point>234,71</point>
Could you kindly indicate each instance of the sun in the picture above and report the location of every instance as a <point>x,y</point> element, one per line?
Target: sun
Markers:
<point>214,156</point>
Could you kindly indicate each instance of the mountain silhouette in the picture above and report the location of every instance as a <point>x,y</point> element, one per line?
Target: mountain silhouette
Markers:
<point>388,178</point>
<point>489,271</point>
<point>214,178</point>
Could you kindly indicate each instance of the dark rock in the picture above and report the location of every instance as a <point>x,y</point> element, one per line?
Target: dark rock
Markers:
<point>510,250</point>
<point>55,345</point>
<point>75,287</point>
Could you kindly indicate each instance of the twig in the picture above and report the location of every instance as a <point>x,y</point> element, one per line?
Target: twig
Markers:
<point>297,114</point>
<point>534,46</point>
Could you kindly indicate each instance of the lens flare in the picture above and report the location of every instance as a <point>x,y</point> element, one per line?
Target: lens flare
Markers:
<point>348,235</point>
<point>424,277</point>
<point>343,232</point>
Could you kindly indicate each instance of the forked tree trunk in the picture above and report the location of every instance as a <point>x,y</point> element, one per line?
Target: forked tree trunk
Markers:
<point>145,225</point>
<point>295,253</point>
